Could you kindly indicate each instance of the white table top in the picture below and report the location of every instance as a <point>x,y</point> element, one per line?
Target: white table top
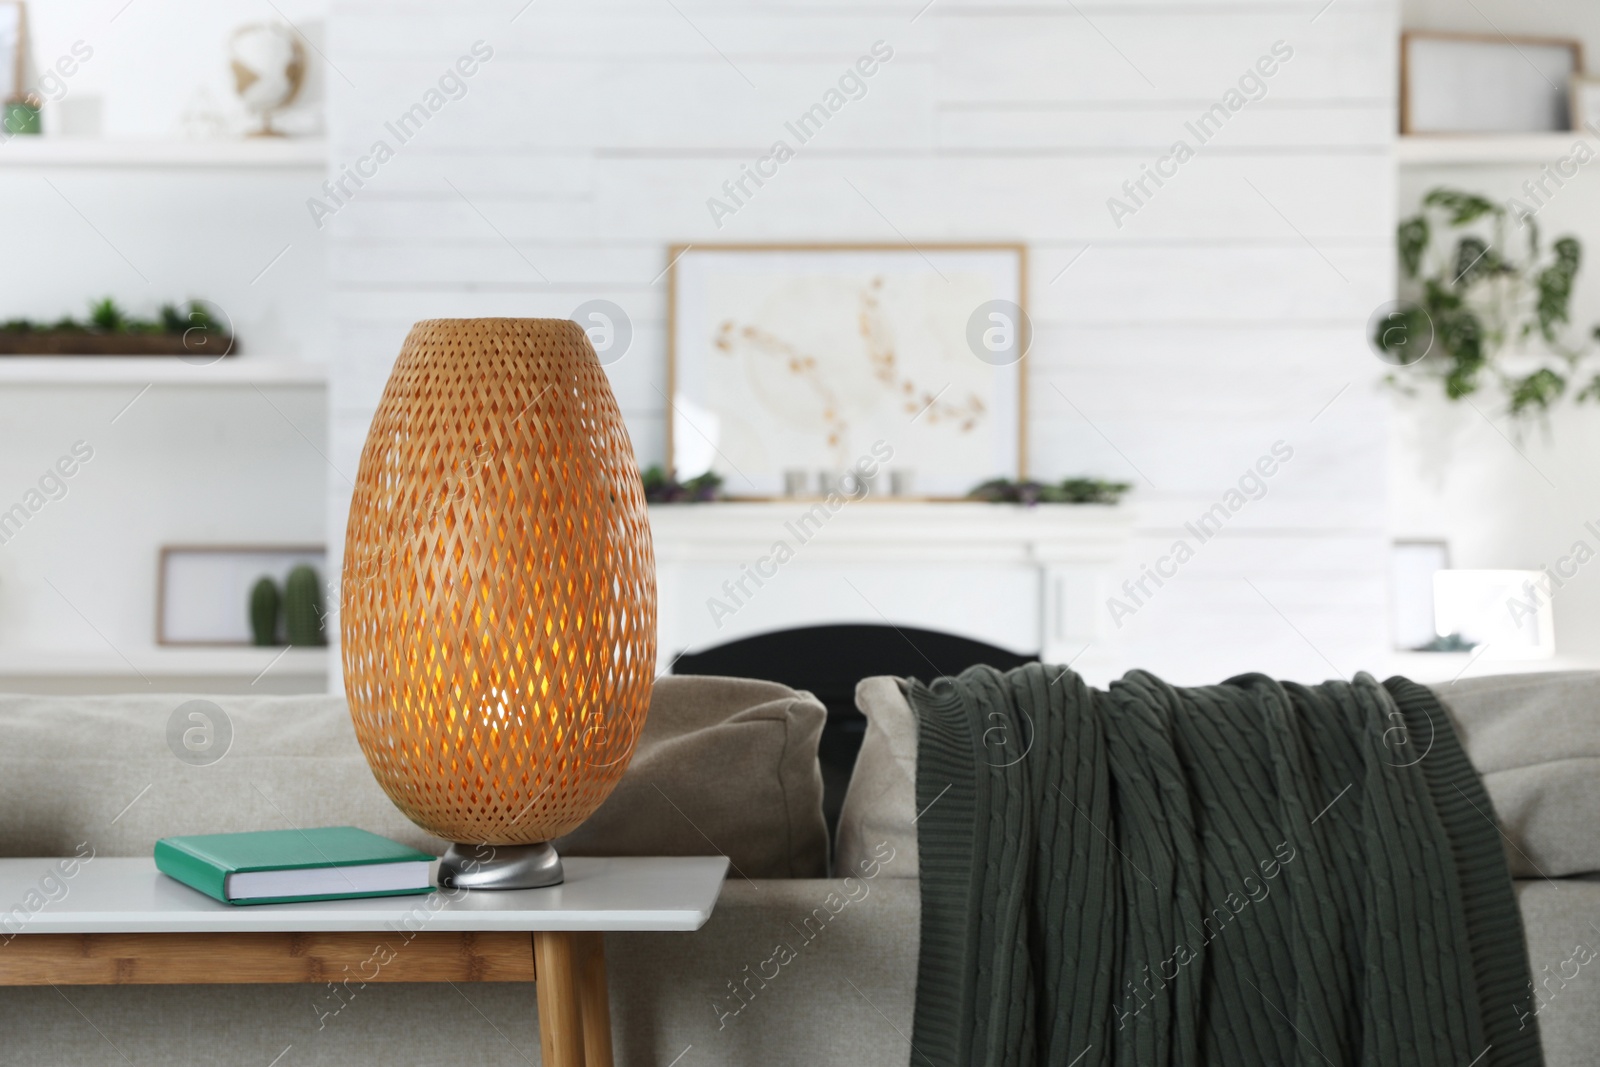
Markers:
<point>117,894</point>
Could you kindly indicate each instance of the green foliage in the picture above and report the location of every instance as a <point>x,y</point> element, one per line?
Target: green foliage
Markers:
<point>1084,491</point>
<point>1538,390</point>
<point>662,488</point>
<point>1068,491</point>
<point>1449,643</point>
<point>1462,207</point>
<point>1497,304</point>
<point>107,316</point>
<point>264,602</point>
<point>1413,240</point>
<point>1555,286</point>
<point>302,608</point>
<point>1475,260</point>
<point>1399,332</point>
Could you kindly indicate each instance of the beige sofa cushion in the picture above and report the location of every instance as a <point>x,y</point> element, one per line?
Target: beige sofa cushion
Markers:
<point>1535,738</point>
<point>723,766</point>
<point>101,770</point>
<point>880,805</point>
<point>738,758</point>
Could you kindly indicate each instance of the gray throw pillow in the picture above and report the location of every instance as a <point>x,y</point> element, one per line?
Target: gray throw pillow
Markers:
<point>878,819</point>
<point>723,766</point>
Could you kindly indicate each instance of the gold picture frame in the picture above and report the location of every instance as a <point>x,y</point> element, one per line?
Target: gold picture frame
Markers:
<point>1519,49</point>
<point>676,268</point>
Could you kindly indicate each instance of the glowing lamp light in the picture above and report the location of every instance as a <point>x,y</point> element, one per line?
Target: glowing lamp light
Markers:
<point>498,599</point>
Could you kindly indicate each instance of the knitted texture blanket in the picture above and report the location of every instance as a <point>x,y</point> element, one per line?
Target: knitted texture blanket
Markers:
<point>1252,873</point>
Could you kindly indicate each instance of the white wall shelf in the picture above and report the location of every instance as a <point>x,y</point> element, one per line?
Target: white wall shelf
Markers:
<point>263,152</point>
<point>1478,150</point>
<point>167,662</point>
<point>231,371</point>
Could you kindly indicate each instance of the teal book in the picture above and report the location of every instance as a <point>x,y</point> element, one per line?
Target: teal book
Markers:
<point>287,866</point>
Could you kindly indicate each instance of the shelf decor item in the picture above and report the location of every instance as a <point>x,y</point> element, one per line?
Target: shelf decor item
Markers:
<point>22,115</point>
<point>197,332</point>
<point>302,608</point>
<point>264,603</point>
<point>1468,83</point>
<point>19,108</point>
<point>498,600</point>
<point>269,70</point>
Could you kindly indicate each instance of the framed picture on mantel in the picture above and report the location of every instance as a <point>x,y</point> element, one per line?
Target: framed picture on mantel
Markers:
<point>814,358</point>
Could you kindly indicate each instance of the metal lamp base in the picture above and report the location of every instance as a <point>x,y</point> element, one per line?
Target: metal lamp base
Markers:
<point>500,867</point>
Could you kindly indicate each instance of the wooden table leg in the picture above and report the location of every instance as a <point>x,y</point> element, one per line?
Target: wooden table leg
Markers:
<point>556,956</point>
<point>594,1000</point>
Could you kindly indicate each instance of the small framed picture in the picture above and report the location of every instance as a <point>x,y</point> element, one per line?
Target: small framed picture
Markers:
<point>1412,565</point>
<point>203,591</point>
<point>784,359</point>
<point>1585,105</point>
<point>1463,83</point>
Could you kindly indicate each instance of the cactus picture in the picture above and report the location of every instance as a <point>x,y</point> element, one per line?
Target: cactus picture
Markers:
<point>302,608</point>
<point>264,604</point>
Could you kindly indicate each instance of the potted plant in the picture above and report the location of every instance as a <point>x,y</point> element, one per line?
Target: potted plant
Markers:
<point>191,330</point>
<point>1486,306</point>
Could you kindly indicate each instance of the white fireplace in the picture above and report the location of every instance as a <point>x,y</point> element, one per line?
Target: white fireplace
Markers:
<point>1032,580</point>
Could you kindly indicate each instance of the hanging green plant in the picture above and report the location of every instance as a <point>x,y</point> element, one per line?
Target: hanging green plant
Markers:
<point>1496,305</point>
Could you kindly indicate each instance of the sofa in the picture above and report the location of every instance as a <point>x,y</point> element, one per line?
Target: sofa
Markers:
<point>811,954</point>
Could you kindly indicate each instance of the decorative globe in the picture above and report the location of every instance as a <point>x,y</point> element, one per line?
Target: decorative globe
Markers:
<point>498,594</point>
<point>269,69</point>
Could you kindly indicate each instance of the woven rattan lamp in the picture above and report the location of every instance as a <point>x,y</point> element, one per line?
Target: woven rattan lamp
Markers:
<point>498,595</point>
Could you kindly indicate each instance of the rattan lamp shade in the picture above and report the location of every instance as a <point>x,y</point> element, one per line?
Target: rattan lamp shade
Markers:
<point>498,595</point>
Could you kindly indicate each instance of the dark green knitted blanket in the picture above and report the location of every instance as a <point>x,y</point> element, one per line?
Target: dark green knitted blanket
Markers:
<point>1246,874</point>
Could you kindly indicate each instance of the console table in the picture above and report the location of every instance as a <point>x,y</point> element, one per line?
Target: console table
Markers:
<point>122,922</point>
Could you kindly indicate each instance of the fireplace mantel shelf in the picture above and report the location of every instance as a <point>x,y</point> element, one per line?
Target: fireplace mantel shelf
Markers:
<point>891,530</point>
<point>1026,578</point>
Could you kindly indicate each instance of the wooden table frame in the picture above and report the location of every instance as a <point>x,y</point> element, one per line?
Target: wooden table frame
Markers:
<point>568,969</point>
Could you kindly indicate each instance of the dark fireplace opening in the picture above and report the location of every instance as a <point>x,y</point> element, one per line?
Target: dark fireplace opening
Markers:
<point>828,661</point>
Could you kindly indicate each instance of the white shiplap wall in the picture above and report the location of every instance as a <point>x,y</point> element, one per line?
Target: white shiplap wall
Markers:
<point>1223,316</point>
